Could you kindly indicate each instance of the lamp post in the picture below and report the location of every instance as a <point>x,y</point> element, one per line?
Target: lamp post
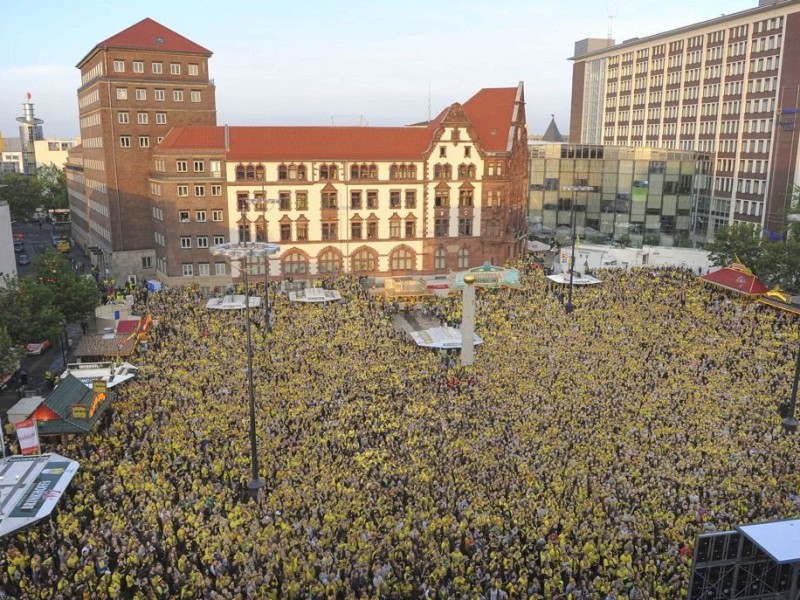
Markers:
<point>265,203</point>
<point>468,321</point>
<point>574,189</point>
<point>789,422</point>
<point>243,251</point>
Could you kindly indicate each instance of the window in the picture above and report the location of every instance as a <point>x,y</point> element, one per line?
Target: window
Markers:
<point>141,118</point>
<point>119,66</point>
<point>328,172</point>
<point>199,190</point>
<point>141,94</point>
<point>411,199</point>
<point>202,241</point>
<point>203,269</point>
<point>200,216</point>
<point>177,95</point>
<point>147,262</point>
<point>216,216</point>
<point>286,232</point>
<point>411,228</point>
<point>194,69</point>
<point>442,151</point>
<point>182,166</point>
<point>465,198</point>
<point>440,259</point>
<point>183,216</point>
<point>285,200</point>
<point>401,259</point>
<point>220,268</point>
<point>442,172</point>
<point>161,118</point>
<point>301,200</point>
<point>158,68</point>
<point>138,66</point>
<point>441,199</point>
<point>463,258</point>
<point>467,151</point>
<point>328,200</point>
<point>174,68</point>
<point>160,96</point>
<point>186,242</point>
<point>183,191</point>
<point>329,261</point>
<point>215,167</point>
<point>355,230</point>
<point>394,228</point>
<point>372,230</point>
<point>124,141</point>
<point>372,200</point>
<point>295,263</point>
<point>302,231</point>
<point>122,93</point>
<point>123,118</point>
<point>144,141</point>
<point>364,260</point>
<point>364,171</point>
<point>195,96</point>
<point>199,166</point>
<point>219,239</point>
<point>441,226</point>
<point>216,190</point>
<point>187,269</point>
<point>394,199</point>
<point>355,200</point>
<point>329,230</point>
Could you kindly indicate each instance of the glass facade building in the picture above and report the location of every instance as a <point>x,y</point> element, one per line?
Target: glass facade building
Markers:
<point>640,196</point>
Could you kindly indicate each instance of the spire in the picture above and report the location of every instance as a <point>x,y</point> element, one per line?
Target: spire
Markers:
<point>552,134</point>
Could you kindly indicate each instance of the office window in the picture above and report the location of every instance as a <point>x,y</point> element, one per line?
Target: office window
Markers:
<point>183,191</point>
<point>158,68</point>
<point>181,166</point>
<point>216,190</point>
<point>174,68</point>
<point>216,215</point>
<point>195,96</point>
<point>122,93</point>
<point>125,141</point>
<point>161,118</point>
<point>199,166</point>
<point>220,268</point>
<point>183,216</point>
<point>187,269</point>
<point>123,118</point>
<point>141,94</point>
<point>177,95</point>
<point>186,242</point>
<point>203,269</point>
<point>138,66</point>
<point>160,96</point>
<point>200,216</point>
<point>144,141</point>
<point>194,69</point>
<point>199,190</point>
<point>202,241</point>
<point>141,118</point>
<point>119,66</point>
<point>147,262</point>
<point>219,239</point>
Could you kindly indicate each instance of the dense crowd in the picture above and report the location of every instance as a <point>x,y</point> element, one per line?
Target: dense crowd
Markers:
<point>578,458</point>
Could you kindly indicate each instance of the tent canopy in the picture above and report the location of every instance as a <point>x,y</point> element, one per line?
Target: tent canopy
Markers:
<point>738,278</point>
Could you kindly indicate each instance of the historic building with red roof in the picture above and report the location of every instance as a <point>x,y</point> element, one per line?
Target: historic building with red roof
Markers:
<point>157,182</point>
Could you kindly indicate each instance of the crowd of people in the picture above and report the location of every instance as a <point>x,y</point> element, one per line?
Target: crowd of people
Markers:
<point>578,458</point>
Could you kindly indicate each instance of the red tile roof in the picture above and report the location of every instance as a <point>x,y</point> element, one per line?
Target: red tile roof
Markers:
<point>148,34</point>
<point>490,111</point>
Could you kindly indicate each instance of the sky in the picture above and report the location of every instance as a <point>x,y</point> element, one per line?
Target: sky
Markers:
<point>324,62</point>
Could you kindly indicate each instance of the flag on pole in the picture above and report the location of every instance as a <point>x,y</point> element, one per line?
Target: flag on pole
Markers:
<point>29,96</point>
<point>28,436</point>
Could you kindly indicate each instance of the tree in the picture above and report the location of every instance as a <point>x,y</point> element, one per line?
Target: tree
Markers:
<point>73,295</point>
<point>27,310</point>
<point>779,264</point>
<point>9,353</point>
<point>51,186</point>
<point>740,241</point>
<point>21,195</point>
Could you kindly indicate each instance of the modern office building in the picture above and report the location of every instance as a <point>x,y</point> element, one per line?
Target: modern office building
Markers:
<point>728,87</point>
<point>638,195</point>
<point>157,182</point>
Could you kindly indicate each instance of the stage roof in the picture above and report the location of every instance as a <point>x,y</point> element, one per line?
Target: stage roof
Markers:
<point>779,539</point>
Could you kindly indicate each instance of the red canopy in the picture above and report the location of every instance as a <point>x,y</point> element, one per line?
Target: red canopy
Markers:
<point>738,278</point>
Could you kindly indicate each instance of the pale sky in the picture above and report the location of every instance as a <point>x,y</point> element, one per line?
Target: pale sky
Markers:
<point>317,62</point>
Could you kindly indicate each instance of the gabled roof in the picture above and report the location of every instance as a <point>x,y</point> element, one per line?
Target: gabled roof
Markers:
<point>738,278</point>
<point>491,112</point>
<point>148,34</point>
<point>57,411</point>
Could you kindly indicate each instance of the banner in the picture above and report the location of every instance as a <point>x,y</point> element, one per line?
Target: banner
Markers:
<point>28,436</point>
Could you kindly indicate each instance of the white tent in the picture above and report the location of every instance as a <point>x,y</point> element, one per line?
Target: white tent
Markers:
<point>232,302</point>
<point>440,337</point>
<point>314,295</point>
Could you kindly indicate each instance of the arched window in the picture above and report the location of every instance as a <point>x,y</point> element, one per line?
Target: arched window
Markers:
<point>402,259</point>
<point>355,172</point>
<point>394,172</point>
<point>364,260</point>
<point>330,261</point>
<point>462,171</point>
<point>283,173</point>
<point>301,172</point>
<point>463,258</point>
<point>440,258</point>
<point>292,172</point>
<point>239,172</point>
<point>437,171</point>
<point>260,172</point>
<point>328,172</point>
<point>251,172</point>
<point>471,171</point>
<point>412,171</point>
<point>372,172</point>
<point>323,171</point>
<point>295,263</point>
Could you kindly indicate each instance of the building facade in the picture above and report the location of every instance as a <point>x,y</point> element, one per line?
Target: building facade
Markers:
<point>640,196</point>
<point>728,87</point>
<point>421,199</point>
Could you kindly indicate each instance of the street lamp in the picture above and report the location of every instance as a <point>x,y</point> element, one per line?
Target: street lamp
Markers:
<point>789,422</point>
<point>574,189</point>
<point>243,251</point>
<point>265,203</point>
<point>468,321</point>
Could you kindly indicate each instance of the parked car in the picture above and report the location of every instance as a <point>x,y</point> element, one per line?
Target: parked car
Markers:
<point>23,259</point>
<point>18,246</point>
<point>38,346</point>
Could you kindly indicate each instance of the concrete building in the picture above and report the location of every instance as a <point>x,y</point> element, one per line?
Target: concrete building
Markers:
<point>728,87</point>
<point>53,151</point>
<point>8,260</point>
<point>10,156</point>
<point>421,199</point>
<point>641,196</point>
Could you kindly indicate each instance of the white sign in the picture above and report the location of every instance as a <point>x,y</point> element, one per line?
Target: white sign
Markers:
<point>28,436</point>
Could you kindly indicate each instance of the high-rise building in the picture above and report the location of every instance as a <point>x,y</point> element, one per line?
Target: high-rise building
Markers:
<point>30,130</point>
<point>156,182</point>
<point>728,87</point>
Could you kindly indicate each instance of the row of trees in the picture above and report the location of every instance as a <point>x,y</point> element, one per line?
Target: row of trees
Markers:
<point>46,189</point>
<point>40,305</point>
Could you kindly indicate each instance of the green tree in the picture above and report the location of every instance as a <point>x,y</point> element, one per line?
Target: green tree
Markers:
<point>731,242</point>
<point>22,196</point>
<point>27,310</point>
<point>779,264</point>
<point>74,296</point>
<point>51,186</point>
<point>9,353</point>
